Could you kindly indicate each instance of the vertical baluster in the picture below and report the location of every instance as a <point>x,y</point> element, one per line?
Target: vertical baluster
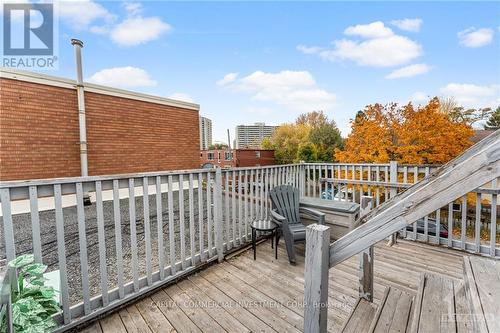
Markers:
<point>314,181</point>
<point>147,229</point>
<point>308,184</point>
<point>133,233</point>
<point>262,189</point>
<point>450,224</point>
<point>159,226</point>
<point>346,190</point>
<point>192,250</point>
<point>463,222</point>
<point>8,229</point>
<point>266,190</point>
<point>386,179</point>
<point>82,238</point>
<point>438,226</point>
<point>229,241</point>
<point>405,174</point>
<point>369,177</point>
<point>415,180</point>
<point>377,179</point>
<point>240,207</point>
<point>182,222</point>
<point>252,196</point>
<point>339,182</point>
<point>102,242</point>
<point>246,197</point>
<point>233,199</point>
<point>477,226</point>
<point>209,215</point>
<point>361,189</point>
<point>35,224</point>
<point>171,225</point>
<point>493,224</point>
<point>118,237</point>
<point>61,251</point>
<point>201,231</point>
<point>426,218</point>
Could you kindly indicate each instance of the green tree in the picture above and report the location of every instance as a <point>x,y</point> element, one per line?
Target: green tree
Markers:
<point>217,146</point>
<point>493,122</point>
<point>285,142</point>
<point>313,138</point>
<point>307,152</point>
<point>324,134</point>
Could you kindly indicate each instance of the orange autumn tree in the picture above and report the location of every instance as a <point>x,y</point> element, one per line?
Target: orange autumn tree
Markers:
<point>408,135</point>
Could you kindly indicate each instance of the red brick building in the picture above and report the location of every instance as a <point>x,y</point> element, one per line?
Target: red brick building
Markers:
<point>127,132</point>
<point>238,158</point>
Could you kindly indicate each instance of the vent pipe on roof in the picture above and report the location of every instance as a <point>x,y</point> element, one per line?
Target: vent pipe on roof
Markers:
<point>78,44</point>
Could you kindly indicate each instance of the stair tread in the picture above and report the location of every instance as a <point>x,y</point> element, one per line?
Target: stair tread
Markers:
<point>441,306</point>
<point>360,318</point>
<point>482,276</point>
<point>394,312</point>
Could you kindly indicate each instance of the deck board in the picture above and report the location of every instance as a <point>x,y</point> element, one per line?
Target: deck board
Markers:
<point>243,295</point>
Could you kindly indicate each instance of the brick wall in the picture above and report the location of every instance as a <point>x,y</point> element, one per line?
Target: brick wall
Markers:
<point>39,133</point>
<point>241,158</point>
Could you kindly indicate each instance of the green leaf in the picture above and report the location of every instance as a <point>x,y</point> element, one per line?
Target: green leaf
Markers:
<point>34,304</point>
<point>34,269</point>
<point>21,261</point>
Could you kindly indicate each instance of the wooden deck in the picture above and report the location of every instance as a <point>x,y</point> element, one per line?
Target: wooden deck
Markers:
<point>242,295</point>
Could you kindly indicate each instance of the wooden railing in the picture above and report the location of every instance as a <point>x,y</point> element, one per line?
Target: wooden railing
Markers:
<point>479,165</point>
<point>141,231</point>
<point>468,223</point>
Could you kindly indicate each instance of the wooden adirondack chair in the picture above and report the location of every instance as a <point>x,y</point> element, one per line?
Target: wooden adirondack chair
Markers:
<point>285,212</point>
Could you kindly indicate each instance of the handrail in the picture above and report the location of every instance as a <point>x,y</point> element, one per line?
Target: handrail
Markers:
<point>477,166</point>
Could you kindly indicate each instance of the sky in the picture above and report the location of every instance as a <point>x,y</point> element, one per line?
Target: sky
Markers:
<point>247,62</point>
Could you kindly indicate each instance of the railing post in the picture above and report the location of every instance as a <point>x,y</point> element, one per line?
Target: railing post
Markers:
<point>6,287</point>
<point>366,258</point>
<point>218,225</point>
<point>317,264</point>
<point>393,179</point>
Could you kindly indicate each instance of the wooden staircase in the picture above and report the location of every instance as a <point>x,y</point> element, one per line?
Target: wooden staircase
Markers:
<point>441,304</point>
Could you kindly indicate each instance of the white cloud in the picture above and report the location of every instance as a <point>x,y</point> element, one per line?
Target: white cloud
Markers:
<point>133,8</point>
<point>382,48</point>
<point>406,24</point>
<point>309,50</point>
<point>295,90</point>
<point>473,37</point>
<point>79,14</point>
<point>419,97</point>
<point>471,95</point>
<point>138,30</point>
<point>409,71</point>
<point>181,97</point>
<point>371,30</point>
<point>123,77</point>
<point>228,78</point>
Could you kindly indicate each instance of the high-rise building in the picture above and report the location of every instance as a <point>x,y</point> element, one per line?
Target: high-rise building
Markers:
<point>251,136</point>
<point>205,133</point>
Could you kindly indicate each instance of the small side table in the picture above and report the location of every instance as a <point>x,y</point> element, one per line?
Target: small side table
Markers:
<point>264,226</point>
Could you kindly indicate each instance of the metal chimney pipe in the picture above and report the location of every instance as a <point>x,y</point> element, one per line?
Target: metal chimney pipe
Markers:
<point>78,44</point>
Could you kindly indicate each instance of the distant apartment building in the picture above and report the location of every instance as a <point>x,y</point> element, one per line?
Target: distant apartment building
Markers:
<point>205,133</point>
<point>226,158</point>
<point>251,136</point>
